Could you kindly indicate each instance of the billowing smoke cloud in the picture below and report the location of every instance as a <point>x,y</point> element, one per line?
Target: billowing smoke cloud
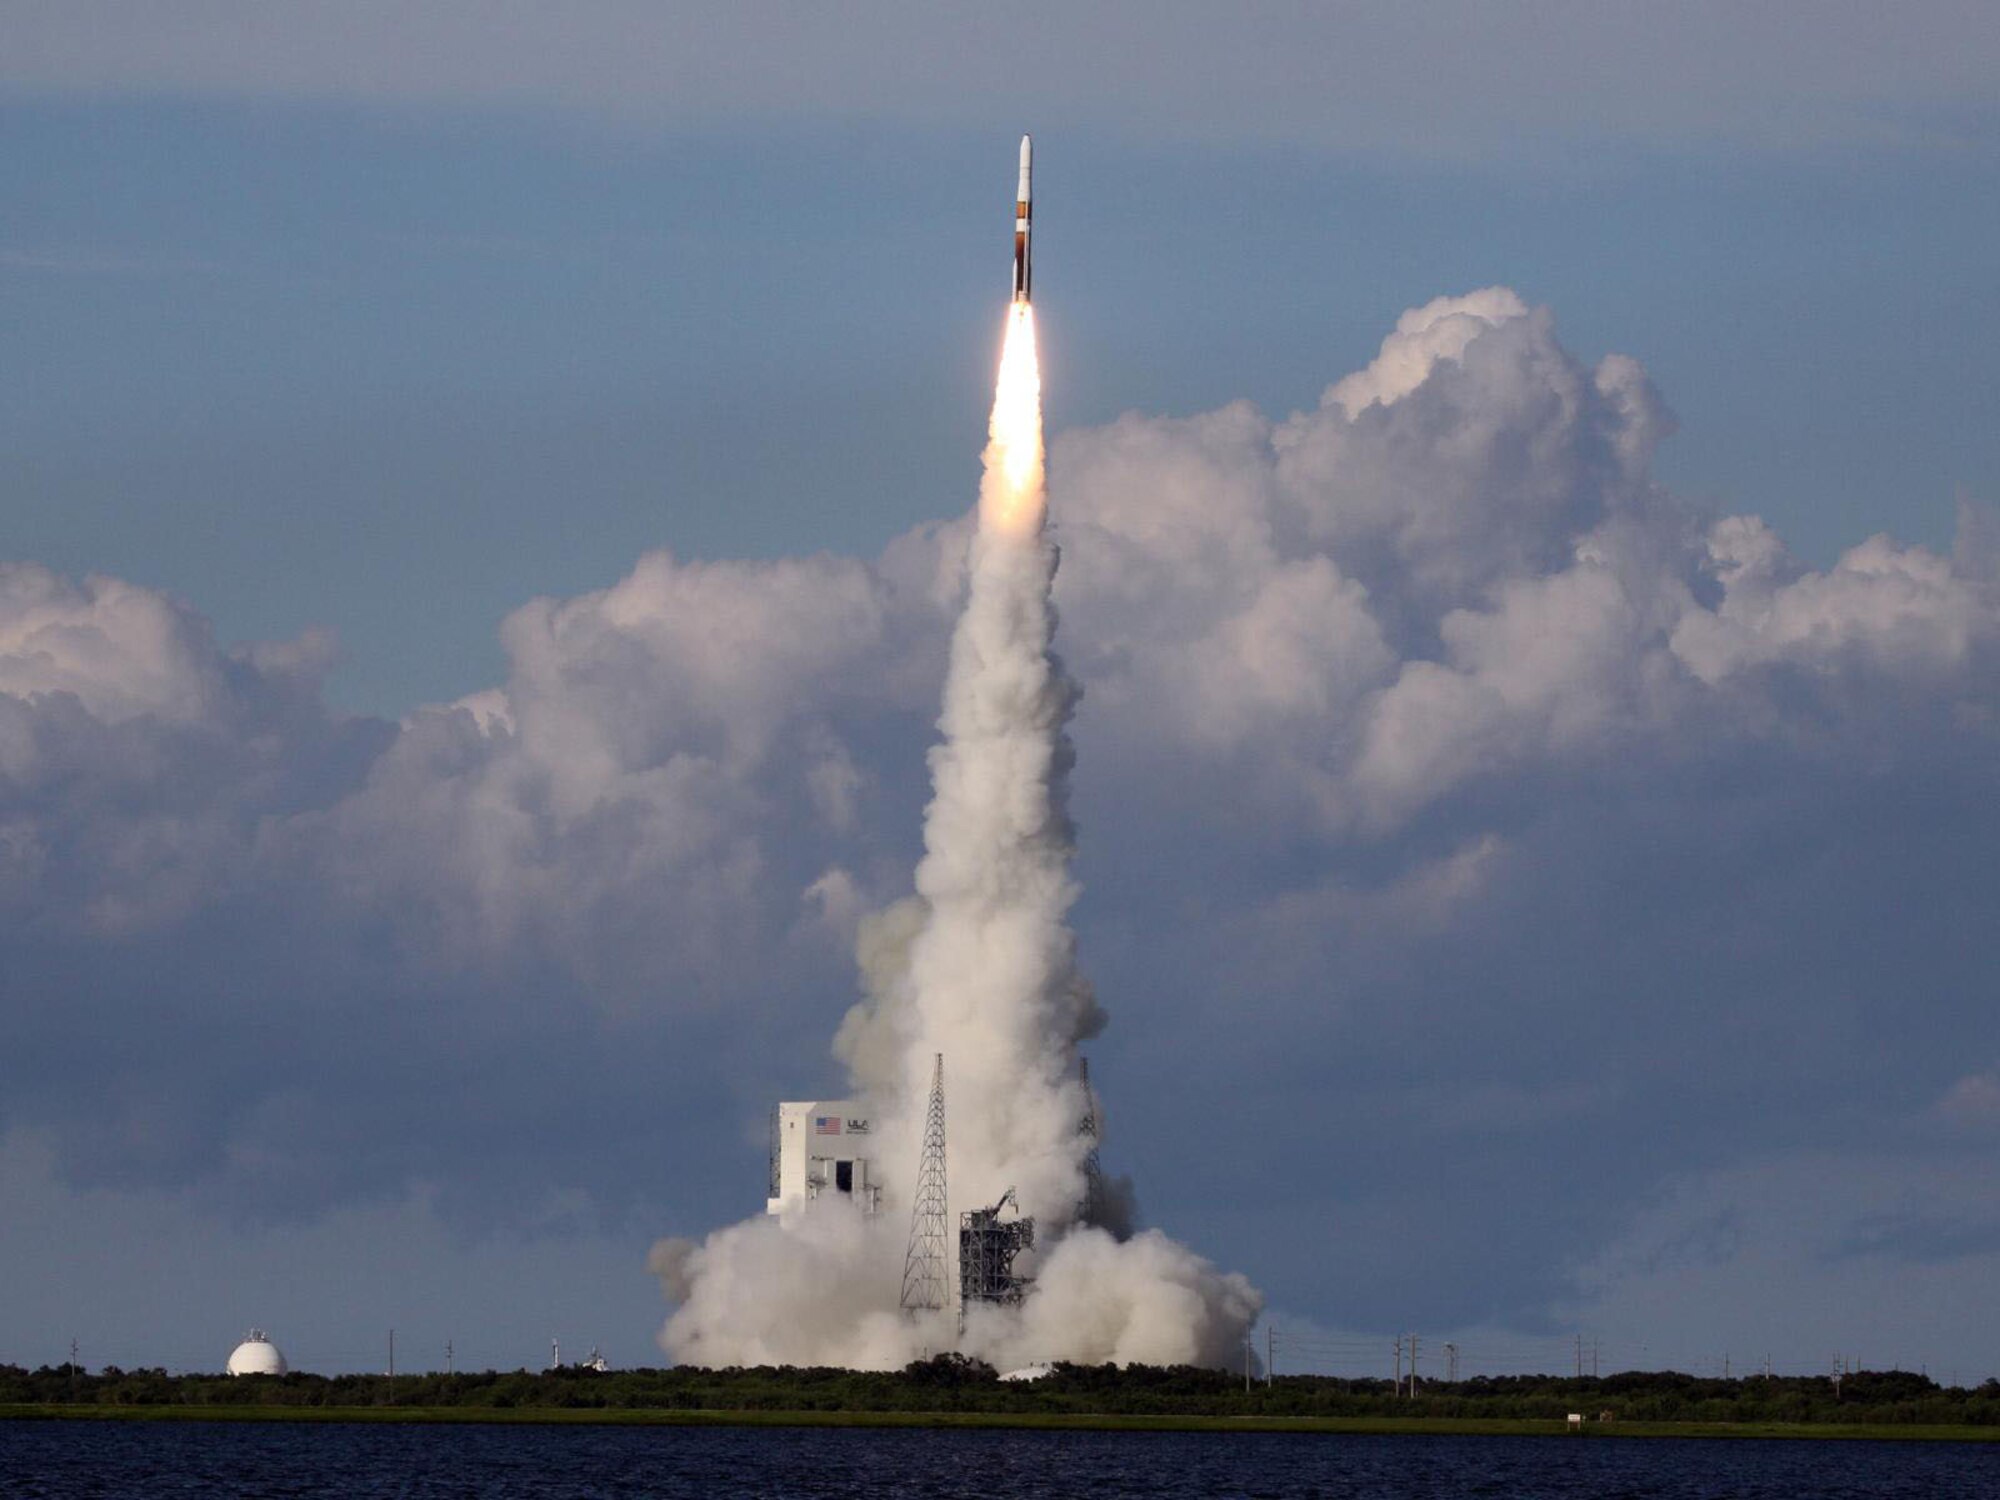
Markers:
<point>1483,802</point>
<point>979,969</point>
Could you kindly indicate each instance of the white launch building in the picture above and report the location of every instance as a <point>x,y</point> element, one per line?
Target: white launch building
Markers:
<point>820,1149</point>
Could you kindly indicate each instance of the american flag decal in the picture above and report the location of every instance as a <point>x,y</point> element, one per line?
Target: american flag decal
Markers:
<point>826,1124</point>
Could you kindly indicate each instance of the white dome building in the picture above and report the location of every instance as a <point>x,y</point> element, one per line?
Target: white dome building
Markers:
<point>257,1355</point>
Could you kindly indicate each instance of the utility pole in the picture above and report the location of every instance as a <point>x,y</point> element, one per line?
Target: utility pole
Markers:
<point>1725,1367</point>
<point>1413,1367</point>
<point>1246,1361</point>
<point>447,1357</point>
<point>1579,1356</point>
<point>1451,1364</point>
<point>1593,1358</point>
<point>392,1354</point>
<point>72,1369</point>
<point>1270,1352</point>
<point>1399,1364</point>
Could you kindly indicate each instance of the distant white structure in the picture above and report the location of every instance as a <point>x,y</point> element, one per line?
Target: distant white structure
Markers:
<point>822,1148</point>
<point>257,1355</point>
<point>1030,1372</point>
<point>596,1361</point>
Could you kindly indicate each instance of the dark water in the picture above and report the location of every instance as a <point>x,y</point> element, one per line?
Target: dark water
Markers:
<point>69,1459</point>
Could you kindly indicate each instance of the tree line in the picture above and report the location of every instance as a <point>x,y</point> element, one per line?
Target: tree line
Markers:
<point>951,1382</point>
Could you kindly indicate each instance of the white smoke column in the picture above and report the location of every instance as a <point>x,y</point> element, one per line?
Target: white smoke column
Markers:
<point>980,967</point>
<point>992,981</point>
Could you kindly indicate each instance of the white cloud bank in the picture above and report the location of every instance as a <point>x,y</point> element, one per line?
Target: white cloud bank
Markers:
<point>1409,665</point>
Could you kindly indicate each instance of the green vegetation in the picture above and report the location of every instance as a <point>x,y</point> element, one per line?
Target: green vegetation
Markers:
<point>951,1390</point>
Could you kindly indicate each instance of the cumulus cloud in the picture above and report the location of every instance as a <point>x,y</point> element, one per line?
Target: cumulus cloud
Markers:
<point>139,762</point>
<point>1429,749</point>
<point>1972,1103</point>
<point>1883,607</point>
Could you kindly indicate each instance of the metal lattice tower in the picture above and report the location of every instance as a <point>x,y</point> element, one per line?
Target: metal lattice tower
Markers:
<point>987,1245</point>
<point>926,1266</point>
<point>1091,1210</point>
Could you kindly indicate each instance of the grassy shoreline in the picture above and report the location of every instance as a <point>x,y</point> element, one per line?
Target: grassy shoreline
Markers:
<point>1038,1421</point>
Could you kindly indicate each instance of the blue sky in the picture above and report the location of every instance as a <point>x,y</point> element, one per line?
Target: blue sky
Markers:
<point>386,326</point>
<point>310,363</point>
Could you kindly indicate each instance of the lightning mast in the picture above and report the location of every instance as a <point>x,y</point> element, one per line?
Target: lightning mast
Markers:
<point>926,1270</point>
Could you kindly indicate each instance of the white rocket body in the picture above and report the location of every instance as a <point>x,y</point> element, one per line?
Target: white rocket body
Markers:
<point>1024,199</point>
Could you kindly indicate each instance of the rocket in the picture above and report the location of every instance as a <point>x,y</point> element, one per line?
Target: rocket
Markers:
<point>1023,216</point>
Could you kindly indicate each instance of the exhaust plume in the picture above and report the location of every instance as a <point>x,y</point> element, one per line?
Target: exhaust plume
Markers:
<point>980,966</point>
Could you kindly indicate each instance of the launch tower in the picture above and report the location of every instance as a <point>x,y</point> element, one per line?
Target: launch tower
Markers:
<point>987,1245</point>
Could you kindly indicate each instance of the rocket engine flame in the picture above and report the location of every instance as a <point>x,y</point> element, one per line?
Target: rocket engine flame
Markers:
<point>1011,498</point>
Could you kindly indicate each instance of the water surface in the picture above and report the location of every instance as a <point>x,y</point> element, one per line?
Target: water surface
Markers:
<point>112,1458</point>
